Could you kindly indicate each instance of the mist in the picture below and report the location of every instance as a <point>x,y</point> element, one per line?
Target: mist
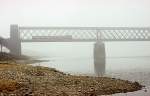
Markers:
<point>81,13</point>
<point>96,13</point>
<point>80,42</point>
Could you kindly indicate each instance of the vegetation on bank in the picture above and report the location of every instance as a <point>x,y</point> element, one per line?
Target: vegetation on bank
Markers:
<point>8,57</point>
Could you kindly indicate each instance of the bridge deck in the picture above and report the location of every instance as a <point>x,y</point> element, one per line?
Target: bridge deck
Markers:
<point>82,40</point>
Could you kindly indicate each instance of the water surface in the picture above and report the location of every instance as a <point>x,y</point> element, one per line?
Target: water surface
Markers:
<point>124,60</point>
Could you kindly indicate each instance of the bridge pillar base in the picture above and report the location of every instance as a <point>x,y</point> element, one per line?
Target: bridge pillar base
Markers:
<point>15,42</point>
<point>99,58</point>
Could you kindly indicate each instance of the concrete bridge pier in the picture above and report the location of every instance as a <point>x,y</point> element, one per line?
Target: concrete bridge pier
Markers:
<point>15,42</point>
<point>99,58</point>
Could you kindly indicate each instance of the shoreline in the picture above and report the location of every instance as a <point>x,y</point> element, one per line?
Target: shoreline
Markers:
<point>35,78</point>
<point>37,72</point>
<point>8,58</point>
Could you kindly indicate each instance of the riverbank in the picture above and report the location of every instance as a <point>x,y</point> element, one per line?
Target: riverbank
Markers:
<point>24,79</point>
<point>27,80</point>
<point>8,58</point>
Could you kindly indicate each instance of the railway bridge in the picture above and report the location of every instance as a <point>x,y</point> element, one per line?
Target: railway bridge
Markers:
<point>99,35</point>
<point>20,34</point>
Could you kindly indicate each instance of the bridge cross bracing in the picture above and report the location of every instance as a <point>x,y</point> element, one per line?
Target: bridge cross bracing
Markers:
<point>83,34</point>
<point>20,34</point>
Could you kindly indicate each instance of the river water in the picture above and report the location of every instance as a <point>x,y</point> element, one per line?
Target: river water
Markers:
<point>125,60</point>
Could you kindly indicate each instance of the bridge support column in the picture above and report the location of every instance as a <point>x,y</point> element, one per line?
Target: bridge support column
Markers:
<point>15,42</point>
<point>99,58</point>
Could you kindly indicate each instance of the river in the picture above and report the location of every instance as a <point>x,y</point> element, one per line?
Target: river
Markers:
<point>125,60</point>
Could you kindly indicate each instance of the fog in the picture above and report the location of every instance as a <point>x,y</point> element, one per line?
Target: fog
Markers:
<point>92,13</point>
<point>127,60</point>
<point>85,13</point>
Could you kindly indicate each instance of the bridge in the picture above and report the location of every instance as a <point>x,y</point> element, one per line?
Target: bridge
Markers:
<point>99,35</point>
<point>83,34</point>
<point>20,34</point>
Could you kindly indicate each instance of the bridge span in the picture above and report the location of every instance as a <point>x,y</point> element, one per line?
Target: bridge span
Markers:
<point>20,34</point>
<point>99,35</point>
<point>83,34</point>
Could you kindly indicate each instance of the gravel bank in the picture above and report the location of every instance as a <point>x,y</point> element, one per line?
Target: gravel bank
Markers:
<point>27,80</point>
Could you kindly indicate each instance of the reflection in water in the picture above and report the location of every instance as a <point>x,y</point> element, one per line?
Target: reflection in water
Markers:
<point>77,58</point>
<point>99,58</point>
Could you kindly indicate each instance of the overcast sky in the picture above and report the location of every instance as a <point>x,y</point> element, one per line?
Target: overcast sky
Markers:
<point>73,13</point>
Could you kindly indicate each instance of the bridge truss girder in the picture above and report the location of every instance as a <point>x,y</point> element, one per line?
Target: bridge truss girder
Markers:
<point>84,34</point>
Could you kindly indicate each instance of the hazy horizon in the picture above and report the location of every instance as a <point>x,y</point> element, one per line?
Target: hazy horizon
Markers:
<point>93,13</point>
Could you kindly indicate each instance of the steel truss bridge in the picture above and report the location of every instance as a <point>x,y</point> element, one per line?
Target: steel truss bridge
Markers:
<point>83,34</point>
<point>20,34</point>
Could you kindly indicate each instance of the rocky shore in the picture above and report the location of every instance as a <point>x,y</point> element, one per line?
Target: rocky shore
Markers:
<point>27,80</point>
